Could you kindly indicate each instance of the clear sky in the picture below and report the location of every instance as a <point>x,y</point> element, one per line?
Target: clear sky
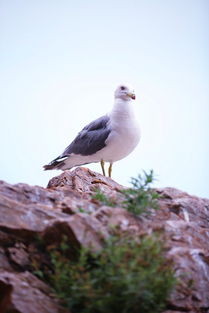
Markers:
<point>60,62</point>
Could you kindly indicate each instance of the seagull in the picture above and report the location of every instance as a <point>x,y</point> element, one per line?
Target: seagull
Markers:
<point>109,138</point>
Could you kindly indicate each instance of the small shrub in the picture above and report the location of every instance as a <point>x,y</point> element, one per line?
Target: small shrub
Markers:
<point>138,199</point>
<point>126,276</point>
<point>141,197</point>
<point>101,197</point>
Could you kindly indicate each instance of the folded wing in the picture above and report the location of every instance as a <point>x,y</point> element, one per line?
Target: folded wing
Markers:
<point>91,139</point>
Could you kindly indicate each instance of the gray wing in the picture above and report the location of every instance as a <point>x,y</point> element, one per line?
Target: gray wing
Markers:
<point>91,139</point>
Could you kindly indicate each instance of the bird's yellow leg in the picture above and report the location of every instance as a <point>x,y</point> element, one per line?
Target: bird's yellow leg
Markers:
<point>110,169</point>
<point>103,168</point>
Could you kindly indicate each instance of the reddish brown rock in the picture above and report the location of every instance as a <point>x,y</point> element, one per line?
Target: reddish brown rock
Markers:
<point>84,181</point>
<point>24,293</point>
<point>66,207</point>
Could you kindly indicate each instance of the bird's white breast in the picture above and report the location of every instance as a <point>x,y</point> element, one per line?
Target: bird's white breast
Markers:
<point>125,133</point>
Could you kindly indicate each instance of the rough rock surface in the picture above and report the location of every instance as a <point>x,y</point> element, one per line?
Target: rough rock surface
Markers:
<point>66,207</point>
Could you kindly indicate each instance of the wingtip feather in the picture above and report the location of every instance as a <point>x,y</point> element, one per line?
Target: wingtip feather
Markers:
<point>47,167</point>
<point>54,165</point>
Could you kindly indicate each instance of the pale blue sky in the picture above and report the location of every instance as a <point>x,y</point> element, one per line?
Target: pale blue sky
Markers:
<point>62,60</point>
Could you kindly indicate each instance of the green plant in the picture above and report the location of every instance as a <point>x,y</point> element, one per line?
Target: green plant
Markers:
<point>141,197</point>
<point>125,276</point>
<point>101,197</point>
<point>81,210</point>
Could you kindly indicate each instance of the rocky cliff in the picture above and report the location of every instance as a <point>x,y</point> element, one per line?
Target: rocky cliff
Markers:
<point>66,207</point>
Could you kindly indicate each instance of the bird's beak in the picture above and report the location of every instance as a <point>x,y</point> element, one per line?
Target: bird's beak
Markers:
<point>131,95</point>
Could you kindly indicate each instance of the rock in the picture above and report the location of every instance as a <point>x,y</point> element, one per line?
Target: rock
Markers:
<point>4,263</point>
<point>84,181</point>
<point>19,255</point>
<point>23,292</point>
<point>80,229</point>
<point>31,213</point>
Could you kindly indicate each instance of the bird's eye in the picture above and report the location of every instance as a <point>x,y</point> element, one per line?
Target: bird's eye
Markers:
<point>122,88</point>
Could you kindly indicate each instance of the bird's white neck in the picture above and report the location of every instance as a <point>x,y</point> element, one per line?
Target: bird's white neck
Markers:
<point>122,109</point>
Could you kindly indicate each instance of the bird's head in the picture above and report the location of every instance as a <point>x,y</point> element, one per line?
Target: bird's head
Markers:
<point>125,93</point>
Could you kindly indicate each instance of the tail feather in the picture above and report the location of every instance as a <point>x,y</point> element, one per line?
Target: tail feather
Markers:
<point>57,163</point>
